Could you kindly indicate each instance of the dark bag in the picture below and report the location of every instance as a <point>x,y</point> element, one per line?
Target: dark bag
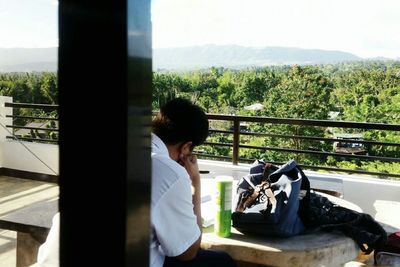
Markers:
<point>269,200</point>
<point>389,252</point>
<point>361,227</point>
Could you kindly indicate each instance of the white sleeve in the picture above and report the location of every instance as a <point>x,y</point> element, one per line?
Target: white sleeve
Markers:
<point>174,221</point>
<point>48,254</point>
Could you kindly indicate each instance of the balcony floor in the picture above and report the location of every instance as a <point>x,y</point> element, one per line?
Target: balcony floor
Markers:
<point>16,193</point>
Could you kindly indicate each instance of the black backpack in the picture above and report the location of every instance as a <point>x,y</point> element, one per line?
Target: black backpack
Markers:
<point>271,200</point>
<point>361,227</point>
<point>277,201</point>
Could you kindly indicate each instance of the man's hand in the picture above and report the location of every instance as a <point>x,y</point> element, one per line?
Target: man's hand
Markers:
<point>191,166</point>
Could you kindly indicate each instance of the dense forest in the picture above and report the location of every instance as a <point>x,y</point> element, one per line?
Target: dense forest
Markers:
<point>33,88</point>
<point>365,91</point>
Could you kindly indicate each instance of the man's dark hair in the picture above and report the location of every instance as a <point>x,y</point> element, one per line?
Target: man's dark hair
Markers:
<point>180,120</point>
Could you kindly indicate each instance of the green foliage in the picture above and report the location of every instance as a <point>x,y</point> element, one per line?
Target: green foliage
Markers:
<point>350,165</point>
<point>217,150</point>
<point>255,87</point>
<point>368,94</point>
<point>167,87</point>
<point>366,91</point>
<point>303,93</point>
<point>371,166</point>
<point>385,167</point>
<point>36,88</point>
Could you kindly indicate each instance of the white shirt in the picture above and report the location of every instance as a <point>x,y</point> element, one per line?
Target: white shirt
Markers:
<point>48,254</point>
<point>173,222</point>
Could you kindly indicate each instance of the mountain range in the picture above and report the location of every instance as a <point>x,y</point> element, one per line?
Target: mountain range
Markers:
<point>187,58</point>
<point>28,59</point>
<point>239,56</point>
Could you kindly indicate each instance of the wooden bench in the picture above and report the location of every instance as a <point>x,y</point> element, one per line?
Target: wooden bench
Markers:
<point>32,224</point>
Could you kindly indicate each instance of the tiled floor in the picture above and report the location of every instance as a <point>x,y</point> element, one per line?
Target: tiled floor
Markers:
<point>16,193</point>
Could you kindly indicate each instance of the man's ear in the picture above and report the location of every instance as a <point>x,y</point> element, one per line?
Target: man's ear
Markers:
<point>186,148</point>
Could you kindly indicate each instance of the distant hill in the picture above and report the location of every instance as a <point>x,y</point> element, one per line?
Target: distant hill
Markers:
<point>186,58</point>
<point>28,59</point>
<point>239,56</point>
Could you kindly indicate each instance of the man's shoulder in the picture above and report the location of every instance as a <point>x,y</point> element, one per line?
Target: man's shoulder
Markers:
<point>166,166</point>
<point>167,175</point>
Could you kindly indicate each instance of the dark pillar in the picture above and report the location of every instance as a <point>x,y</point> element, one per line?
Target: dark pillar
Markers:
<point>105,98</point>
<point>139,130</point>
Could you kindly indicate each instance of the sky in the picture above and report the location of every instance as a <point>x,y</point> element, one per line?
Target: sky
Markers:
<point>366,28</point>
<point>28,23</point>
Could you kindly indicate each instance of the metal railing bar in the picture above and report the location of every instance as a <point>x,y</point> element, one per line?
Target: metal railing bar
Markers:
<point>220,131</point>
<point>32,117</point>
<point>212,156</point>
<point>218,144</point>
<point>28,105</point>
<point>236,141</point>
<point>323,123</point>
<point>321,138</point>
<point>33,128</point>
<point>389,159</point>
<point>32,139</point>
<point>303,137</point>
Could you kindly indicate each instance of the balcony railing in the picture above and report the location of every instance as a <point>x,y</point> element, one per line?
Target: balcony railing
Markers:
<point>238,138</point>
<point>236,142</point>
<point>38,128</point>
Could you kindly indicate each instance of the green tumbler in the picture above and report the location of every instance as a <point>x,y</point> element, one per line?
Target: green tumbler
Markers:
<point>223,198</point>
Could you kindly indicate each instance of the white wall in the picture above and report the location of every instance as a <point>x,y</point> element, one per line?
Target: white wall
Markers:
<point>25,156</point>
<point>363,190</point>
<point>28,156</point>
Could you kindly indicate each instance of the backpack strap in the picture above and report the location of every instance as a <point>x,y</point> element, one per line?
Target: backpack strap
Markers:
<point>247,179</point>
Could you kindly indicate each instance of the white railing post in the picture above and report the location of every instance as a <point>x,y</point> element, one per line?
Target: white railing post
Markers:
<point>3,122</point>
<point>3,119</point>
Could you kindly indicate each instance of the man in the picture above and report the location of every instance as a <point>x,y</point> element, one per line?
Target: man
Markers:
<point>176,196</point>
<point>48,254</point>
